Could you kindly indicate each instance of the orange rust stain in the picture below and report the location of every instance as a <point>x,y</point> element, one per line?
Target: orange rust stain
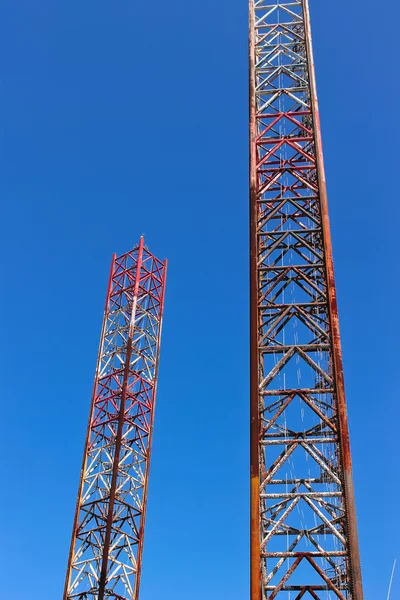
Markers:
<point>255,567</point>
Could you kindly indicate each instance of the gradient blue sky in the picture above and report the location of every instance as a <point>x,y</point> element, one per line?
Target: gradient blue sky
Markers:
<point>122,118</point>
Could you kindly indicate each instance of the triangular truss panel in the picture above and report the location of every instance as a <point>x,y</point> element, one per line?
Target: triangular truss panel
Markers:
<point>107,539</point>
<point>303,531</point>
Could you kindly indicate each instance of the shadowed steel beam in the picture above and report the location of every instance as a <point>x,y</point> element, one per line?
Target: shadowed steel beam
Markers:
<point>255,534</point>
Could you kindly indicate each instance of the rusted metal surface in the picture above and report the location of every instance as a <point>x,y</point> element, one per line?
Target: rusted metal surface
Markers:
<point>307,533</point>
<point>255,562</point>
<point>344,438</point>
<point>107,540</point>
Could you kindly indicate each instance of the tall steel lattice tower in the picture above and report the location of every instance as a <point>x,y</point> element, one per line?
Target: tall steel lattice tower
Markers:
<point>303,523</point>
<point>107,540</point>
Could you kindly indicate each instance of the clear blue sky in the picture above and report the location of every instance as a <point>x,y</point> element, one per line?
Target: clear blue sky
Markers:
<point>123,118</point>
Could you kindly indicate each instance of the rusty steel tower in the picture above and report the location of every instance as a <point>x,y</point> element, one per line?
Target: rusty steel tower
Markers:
<point>107,539</point>
<point>303,524</point>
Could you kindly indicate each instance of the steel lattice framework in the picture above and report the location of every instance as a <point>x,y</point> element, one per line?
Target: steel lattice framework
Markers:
<point>303,524</point>
<point>107,540</point>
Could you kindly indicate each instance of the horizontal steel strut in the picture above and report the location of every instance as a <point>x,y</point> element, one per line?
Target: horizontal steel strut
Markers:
<point>107,539</point>
<point>303,522</point>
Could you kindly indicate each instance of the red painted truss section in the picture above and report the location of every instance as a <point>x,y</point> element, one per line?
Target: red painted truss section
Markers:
<point>107,540</point>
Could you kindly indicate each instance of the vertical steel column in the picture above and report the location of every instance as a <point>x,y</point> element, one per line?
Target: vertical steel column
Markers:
<point>255,562</point>
<point>305,540</point>
<point>347,469</point>
<point>107,541</point>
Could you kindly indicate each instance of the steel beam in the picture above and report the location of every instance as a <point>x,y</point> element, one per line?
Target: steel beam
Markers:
<point>302,496</point>
<point>107,540</point>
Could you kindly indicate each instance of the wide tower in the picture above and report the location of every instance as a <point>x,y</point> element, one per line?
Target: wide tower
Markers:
<point>107,540</point>
<point>303,524</point>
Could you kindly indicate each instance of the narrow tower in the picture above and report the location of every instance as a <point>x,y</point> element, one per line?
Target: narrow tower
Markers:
<point>107,539</point>
<point>303,524</point>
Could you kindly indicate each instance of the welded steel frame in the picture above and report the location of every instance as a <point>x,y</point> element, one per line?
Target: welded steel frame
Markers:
<point>107,541</point>
<point>303,524</point>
